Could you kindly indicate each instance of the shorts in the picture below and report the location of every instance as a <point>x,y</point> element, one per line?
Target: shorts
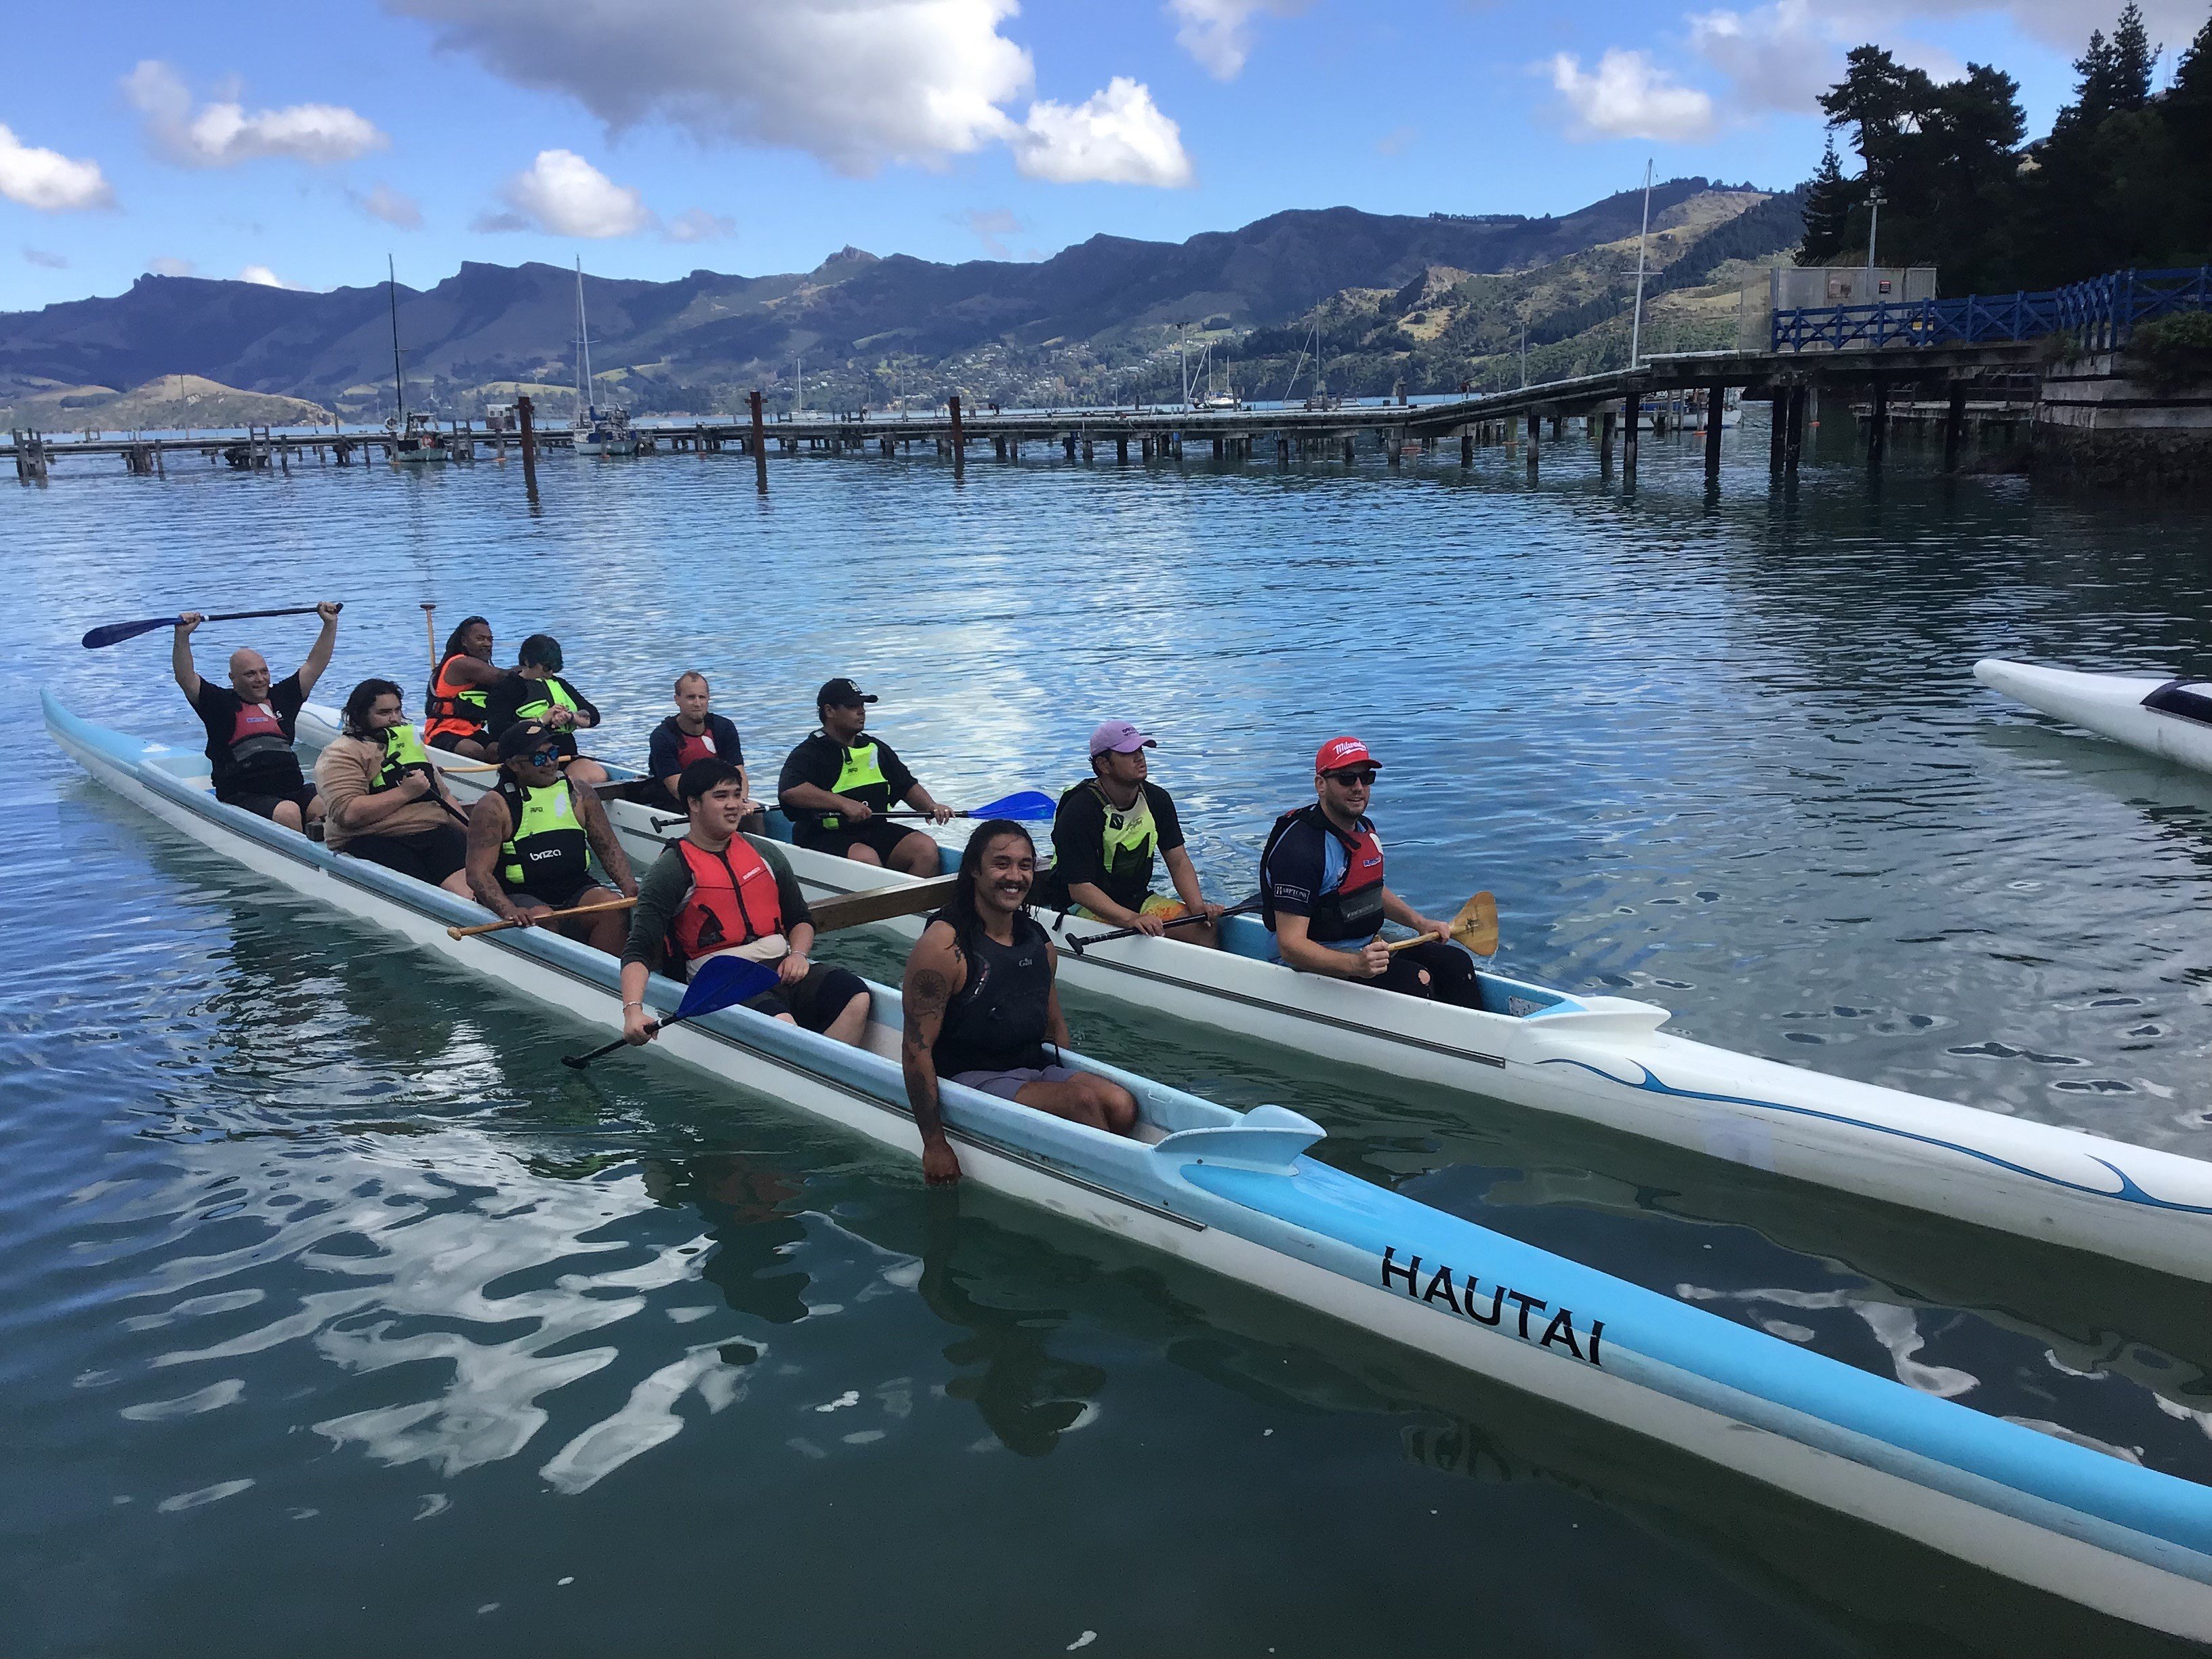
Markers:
<point>428,855</point>
<point>817,1001</point>
<point>590,892</point>
<point>452,741</point>
<point>262,805</point>
<point>879,836</point>
<point>1008,1085</point>
<point>1155,905</point>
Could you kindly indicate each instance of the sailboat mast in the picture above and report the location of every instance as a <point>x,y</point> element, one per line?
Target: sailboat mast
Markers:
<point>399,383</point>
<point>1635,329</point>
<point>583,345</point>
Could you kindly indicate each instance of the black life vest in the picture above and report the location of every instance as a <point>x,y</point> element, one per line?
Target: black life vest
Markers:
<point>996,1022</point>
<point>1350,909</point>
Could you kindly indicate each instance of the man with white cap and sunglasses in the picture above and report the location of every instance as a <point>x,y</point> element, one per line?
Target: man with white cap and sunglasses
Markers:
<point>1105,834</point>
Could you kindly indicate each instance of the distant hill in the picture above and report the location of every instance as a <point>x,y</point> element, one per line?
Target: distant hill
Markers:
<point>1102,318</point>
<point>170,402</point>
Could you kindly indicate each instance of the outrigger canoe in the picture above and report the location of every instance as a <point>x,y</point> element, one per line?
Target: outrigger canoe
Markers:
<point>1605,1060</point>
<point>1236,1193</point>
<point>2169,718</point>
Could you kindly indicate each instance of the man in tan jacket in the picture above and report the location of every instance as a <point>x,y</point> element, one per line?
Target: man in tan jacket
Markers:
<point>381,796</point>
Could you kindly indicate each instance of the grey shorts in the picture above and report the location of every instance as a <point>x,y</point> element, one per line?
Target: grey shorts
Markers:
<point>1007,1085</point>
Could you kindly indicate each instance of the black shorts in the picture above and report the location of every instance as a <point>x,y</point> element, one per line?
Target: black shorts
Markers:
<point>880,835</point>
<point>451,742</point>
<point>816,1000</point>
<point>590,892</point>
<point>264,805</point>
<point>428,855</point>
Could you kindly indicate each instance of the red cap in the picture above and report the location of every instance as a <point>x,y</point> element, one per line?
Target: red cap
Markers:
<point>1340,753</point>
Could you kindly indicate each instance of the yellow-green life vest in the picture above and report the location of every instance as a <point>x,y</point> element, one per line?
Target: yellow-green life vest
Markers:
<point>1131,839</point>
<point>403,752</point>
<point>550,694</point>
<point>860,770</point>
<point>546,852</point>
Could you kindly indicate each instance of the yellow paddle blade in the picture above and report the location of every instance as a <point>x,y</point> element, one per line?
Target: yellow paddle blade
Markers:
<point>1476,925</point>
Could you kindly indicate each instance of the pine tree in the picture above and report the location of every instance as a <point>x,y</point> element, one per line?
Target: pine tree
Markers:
<point>2097,94</point>
<point>1829,201</point>
<point>2132,58</point>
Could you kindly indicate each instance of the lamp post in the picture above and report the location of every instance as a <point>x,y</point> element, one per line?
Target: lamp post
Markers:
<point>1874,225</point>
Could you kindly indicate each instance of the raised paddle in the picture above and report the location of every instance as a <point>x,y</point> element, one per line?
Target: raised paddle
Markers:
<point>1077,942</point>
<point>1475,927</point>
<point>430,627</point>
<point>720,982</point>
<point>542,915</point>
<point>116,632</point>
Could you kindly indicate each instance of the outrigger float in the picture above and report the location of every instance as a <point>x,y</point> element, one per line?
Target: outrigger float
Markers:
<point>1236,1193</point>
<point>2169,718</point>
<point>1603,1060</point>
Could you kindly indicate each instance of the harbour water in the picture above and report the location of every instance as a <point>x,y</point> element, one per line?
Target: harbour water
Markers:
<point>334,1312</point>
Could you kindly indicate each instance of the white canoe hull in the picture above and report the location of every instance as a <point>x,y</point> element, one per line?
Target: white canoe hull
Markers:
<point>1604,1060</point>
<point>2110,705</point>
<point>2034,1508</point>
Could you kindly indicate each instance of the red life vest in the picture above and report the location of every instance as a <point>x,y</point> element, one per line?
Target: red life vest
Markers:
<point>455,710</point>
<point>690,749</point>
<point>257,731</point>
<point>1354,908</point>
<point>733,900</point>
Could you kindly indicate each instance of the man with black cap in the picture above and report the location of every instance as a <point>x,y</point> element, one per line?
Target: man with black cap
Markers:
<point>1104,835</point>
<point>838,784</point>
<point>1321,891</point>
<point>536,691</point>
<point>531,839</point>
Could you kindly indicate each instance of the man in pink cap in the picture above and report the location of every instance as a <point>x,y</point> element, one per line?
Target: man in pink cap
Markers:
<point>1321,891</point>
<point>1105,834</point>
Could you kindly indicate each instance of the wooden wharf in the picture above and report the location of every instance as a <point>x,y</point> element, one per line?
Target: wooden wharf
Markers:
<point>1610,404</point>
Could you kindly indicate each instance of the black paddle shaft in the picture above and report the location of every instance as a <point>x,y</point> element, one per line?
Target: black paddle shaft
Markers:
<point>1077,942</point>
<point>578,1062</point>
<point>116,632</point>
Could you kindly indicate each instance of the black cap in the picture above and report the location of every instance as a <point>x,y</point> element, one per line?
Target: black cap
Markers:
<point>840,694</point>
<point>522,738</point>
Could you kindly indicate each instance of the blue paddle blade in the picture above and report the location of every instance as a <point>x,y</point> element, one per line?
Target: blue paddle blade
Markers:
<point>1025,804</point>
<point>721,982</point>
<point>116,632</point>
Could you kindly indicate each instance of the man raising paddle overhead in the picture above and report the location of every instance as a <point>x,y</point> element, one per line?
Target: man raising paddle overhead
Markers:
<point>981,1003</point>
<point>1322,892</point>
<point>250,723</point>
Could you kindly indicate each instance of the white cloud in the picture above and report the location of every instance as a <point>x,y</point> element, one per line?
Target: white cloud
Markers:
<point>857,83</point>
<point>562,194</point>
<point>222,134</point>
<point>1117,137</point>
<point>1780,56</point>
<point>2065,24</point>
<point>262,276</point>
<point>1627,96</point>
<point>168,264</point>
<point>47,179</point>
<point>991,227</point>
<point>697,225</point>
<point>390,205</point>
<point>44,260</point>
<point>1218,32</point>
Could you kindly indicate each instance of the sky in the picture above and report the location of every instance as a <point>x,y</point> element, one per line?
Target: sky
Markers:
<point>302,145</point>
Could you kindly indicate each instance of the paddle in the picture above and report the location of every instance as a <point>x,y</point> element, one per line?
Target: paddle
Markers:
<point>1475,927</point>
<point>720,982</point>
<point>430,627</point>
<point>116,632</point>
<point>541,917</point>
<point>1075,942</point>
<point>1030,806</point>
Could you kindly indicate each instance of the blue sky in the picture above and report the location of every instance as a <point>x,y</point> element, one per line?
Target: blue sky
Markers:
<point>301,144</point>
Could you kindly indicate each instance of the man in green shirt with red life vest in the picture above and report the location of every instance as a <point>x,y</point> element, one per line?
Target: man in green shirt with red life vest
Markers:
<point>532,839</point>
<point>1104,838</point>
<point>838,785</point>
<point>716,892</point>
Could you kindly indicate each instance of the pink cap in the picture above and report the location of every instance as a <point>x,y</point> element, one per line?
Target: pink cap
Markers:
<point>1121,737</point>
<point>1340,753</point>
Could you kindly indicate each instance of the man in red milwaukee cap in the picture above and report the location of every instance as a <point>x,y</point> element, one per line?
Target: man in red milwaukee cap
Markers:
<point>1321,891</point>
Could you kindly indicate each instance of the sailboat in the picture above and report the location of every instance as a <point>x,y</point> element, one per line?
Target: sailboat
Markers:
<point>414,437</point>
<point>598,431</point>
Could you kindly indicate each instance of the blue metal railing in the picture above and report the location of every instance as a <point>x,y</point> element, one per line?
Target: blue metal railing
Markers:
<point>2101,313</point>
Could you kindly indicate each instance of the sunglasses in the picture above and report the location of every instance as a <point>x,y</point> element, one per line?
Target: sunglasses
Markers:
<point>543,756</point>
<point>1351,775</point>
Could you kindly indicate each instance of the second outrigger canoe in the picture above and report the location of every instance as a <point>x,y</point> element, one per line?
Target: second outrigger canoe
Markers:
<point>1605,1060</point>
<point>2162,716</point>
<point>1236,1194</point>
